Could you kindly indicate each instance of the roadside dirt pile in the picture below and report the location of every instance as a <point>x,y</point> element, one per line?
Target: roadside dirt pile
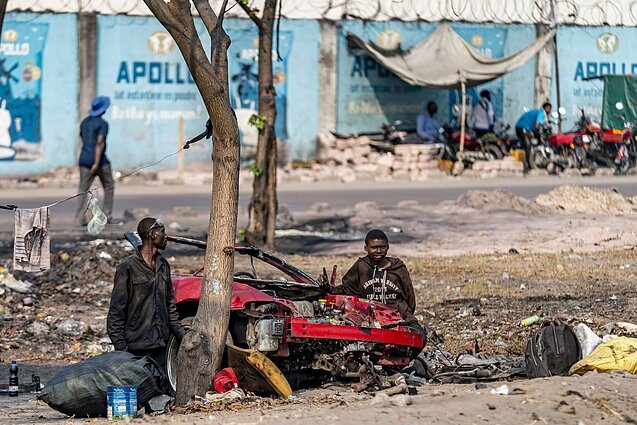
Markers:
<point>493,200</point>
<point>587,200</point>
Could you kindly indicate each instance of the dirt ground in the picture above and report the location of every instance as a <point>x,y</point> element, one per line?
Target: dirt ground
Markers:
<point>490,276</point>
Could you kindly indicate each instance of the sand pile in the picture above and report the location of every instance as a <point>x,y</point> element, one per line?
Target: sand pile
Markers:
<point>499,199</point>
<point>587,200</point>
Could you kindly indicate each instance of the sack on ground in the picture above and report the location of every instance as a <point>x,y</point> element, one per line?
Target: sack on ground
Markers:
<point>616,354</point>
<point>80,389</point>
<point>551,351</point>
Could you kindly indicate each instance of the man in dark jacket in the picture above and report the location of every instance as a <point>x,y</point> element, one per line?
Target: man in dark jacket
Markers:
<point>380,278</point>
<point>142,313</point>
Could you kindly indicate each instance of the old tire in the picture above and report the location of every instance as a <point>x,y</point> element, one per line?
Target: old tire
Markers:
<point>173,349</point>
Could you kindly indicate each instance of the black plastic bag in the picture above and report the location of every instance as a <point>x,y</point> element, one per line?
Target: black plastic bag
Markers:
<point>80,389</point>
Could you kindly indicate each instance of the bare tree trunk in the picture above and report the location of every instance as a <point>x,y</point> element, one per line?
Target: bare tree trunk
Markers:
<point>203,346</point>
<point>263,205</point>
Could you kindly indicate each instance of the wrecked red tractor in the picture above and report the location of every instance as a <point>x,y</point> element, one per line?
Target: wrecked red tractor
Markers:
<point>311,338</point>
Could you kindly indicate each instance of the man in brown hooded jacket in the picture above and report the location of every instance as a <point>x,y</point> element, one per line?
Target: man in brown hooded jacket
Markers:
<point>377,277</point>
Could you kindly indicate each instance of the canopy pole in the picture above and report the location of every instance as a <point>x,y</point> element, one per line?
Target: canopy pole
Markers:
<point>459,165</point>
<point>463,115</point>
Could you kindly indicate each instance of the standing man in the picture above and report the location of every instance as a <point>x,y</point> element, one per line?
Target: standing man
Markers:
<point>482,118</point>
<point>377,277</point>
<point>531,122</point>
<point>93,160</point>
<point>142,313</point>
<point>427,124</point>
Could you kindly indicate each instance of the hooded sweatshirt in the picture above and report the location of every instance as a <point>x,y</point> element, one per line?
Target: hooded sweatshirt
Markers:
<point>390,285</point>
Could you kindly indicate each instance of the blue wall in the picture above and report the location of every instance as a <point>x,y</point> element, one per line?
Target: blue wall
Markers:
<point>55,122</point>
<point>133,62</point>
<point>369,95</point>
<point>593,56</point>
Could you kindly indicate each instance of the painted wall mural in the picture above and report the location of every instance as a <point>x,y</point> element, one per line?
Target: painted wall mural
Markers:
<point>21,73</point>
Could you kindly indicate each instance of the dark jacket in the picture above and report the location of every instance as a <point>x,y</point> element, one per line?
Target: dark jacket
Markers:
<point>142,314</point>
<point>391,285</point>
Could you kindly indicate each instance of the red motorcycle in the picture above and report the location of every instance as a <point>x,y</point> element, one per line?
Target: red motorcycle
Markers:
<point>571,149</point>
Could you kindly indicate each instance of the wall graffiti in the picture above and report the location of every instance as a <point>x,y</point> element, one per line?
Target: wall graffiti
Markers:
<point>21,75</point>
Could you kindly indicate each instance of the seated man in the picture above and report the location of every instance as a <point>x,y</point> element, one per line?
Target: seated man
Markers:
<point>377,277</point>
<point>427,125</point>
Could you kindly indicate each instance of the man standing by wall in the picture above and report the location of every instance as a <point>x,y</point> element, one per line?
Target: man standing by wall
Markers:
<point>93,161</point>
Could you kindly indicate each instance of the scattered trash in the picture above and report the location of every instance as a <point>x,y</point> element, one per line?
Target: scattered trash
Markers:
<point>588,340</point>
<point>80,389</point>
<point>27,302</point>
<point>121,402</point>
<point>38,328</point>
<point>71,327</point>
<point>530,320</point>
<point>105,255</point>
<point>19,286</point>
<point>501,390</point>
<point>160,404</point>
<point>617,354</point>
<point>551,351</point>
<point>225,380</point>
<point>232,395</point>
<point>382,399</point>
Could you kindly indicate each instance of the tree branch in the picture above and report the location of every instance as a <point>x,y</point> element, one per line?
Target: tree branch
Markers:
<point>207,14</point>
<point>250,13</point>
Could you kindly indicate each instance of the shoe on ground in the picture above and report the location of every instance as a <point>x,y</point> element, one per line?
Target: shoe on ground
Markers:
<point>115,222</point>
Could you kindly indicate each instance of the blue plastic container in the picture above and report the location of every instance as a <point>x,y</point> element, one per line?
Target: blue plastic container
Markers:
<point>121,402</point>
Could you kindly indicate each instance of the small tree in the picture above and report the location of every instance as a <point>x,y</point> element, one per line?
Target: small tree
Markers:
<point>263,205</point>
<point>202,348</point>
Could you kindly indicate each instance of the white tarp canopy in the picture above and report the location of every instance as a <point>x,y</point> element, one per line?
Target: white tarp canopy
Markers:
<point>445,60</point>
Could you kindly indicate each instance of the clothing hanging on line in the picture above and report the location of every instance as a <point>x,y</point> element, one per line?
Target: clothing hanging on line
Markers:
<point>32,243</point>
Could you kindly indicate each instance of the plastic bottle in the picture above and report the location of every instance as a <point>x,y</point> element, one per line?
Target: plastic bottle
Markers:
<point>530,320</point>
<point>13,379</point>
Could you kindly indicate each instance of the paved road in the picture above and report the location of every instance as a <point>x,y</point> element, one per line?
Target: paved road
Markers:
<point>160,200</point>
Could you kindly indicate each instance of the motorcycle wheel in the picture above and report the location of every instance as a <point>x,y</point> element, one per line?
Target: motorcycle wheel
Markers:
<point>623,166</point>
<point>535,159</point>
<point>493,151</point>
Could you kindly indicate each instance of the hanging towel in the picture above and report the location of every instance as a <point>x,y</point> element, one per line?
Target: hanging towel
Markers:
<point>31,247</point>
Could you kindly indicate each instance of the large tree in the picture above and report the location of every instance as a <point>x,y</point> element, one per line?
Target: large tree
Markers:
<point>263,205</point>
<point>202,348</point>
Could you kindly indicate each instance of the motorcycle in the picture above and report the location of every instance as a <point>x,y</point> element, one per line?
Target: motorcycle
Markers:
<point>615,148</point>
<point>572,147</point>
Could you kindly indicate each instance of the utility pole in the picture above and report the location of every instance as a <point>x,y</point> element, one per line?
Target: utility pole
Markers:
<point>557,66</point>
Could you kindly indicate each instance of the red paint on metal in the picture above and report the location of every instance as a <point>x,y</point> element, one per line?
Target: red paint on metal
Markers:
<point>302,328</point>
<point>188,288</point>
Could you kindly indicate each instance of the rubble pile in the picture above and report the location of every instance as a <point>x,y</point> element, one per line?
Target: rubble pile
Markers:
<point>587,200</point>
<point>59,314</point>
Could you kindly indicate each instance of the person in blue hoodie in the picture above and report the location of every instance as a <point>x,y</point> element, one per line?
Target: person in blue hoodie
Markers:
<point>530,123</point>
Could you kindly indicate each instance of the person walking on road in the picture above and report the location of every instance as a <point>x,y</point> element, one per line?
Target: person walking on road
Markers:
<point>93,161</point>
<point>143,314</point>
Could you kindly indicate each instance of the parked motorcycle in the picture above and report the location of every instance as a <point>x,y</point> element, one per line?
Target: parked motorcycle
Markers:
<point>615,148</point>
